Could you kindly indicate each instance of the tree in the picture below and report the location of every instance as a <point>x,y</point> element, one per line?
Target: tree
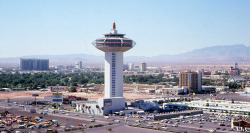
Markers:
<point>54,105</point>
<point>207,104</point>
<point>72,89</point>
<point>109,129</point>
<point>232,100</point>
<point>83,81</point>
<point>97,106</point>
<point>74,84</point>
<point>102,108</point>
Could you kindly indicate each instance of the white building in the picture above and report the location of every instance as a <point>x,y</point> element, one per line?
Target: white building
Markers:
<point>131,67</point>
<point>78,65</point>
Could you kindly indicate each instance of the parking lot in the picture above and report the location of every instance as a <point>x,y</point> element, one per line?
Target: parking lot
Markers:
<point>68,120</point>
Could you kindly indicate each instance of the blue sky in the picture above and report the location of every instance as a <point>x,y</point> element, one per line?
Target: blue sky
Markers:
<point>55,27</point>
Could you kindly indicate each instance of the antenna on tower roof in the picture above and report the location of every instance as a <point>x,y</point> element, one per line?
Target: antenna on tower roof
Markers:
<point>114,27</point>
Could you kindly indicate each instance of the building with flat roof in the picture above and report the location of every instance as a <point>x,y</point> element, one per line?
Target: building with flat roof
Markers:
<point>34,64</point>
<point>192,80</point>
<point>143,67</point>
<point>78,65</point>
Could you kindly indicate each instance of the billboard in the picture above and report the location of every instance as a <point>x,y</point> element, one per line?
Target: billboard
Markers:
<point>35,95</point>
<point>57,97</point>
<point>57,88</point>
<point>107,102</point>
<point>57,100</point>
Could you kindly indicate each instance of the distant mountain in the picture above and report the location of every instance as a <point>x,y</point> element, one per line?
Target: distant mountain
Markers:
<point>225,54</point>
<point>210,55</point>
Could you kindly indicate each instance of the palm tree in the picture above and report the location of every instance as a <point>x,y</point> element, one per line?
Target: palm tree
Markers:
<point>83,105</point>
<point>97,108</point>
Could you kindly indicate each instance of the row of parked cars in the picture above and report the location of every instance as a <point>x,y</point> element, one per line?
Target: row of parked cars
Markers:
<point>9,121</point>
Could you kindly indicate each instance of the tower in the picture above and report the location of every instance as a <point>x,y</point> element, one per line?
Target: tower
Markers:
<point>113,44</point>
<point>143,66</point>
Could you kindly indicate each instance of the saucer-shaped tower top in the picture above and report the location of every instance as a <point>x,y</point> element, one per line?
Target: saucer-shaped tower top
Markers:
<point>114,42</point>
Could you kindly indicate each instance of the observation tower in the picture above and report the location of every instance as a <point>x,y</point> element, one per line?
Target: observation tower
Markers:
<point>113,44</point>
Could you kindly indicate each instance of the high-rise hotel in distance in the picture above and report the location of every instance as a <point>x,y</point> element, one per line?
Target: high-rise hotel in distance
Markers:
<point>113,44</point>
<point>34,64</point>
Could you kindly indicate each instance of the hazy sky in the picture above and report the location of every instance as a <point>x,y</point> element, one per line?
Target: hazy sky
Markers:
<point>38,27</point>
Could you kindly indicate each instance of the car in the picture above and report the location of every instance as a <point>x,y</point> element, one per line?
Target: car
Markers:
<point>135,124</point>
<point>31,127</point>
<point>44,112</point>
<point>163,121</point>
<point>45,126</point>
<point>201,122</point>
<point>174,125</point>
<point>223,129</point>
<point>76,114</point>
<point>165,128</point>
<point>222,124</point>
<point>149,125</point>
<point>54,111</point>
<point>212,131</point>
<point>63,127</point>
<point>163,125</point>
<point>155,122</point>
<point>2,126</point>
<point>191,122</point>
<point>218,128</point>
<point>170,122</point>
<point>67,114</point>
<point>92,120</point>
<point>197,130</point>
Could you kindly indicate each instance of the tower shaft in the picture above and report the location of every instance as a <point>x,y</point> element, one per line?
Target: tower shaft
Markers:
<point>113,74</point>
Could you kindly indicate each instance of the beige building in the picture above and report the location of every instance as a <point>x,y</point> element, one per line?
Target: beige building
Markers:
<point>192,80</point>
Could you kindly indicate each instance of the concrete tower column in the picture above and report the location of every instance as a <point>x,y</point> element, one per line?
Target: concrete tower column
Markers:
<point>113,74</point>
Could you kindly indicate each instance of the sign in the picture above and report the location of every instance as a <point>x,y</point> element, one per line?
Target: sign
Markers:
<point>107,102</point>
<point>57,94</point>
<point>57,100</point>
<point>57,88</point>
<point>57,97</point>
<point>35,95</point>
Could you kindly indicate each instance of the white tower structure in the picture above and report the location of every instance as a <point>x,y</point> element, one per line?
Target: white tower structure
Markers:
<point>113,44</point>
